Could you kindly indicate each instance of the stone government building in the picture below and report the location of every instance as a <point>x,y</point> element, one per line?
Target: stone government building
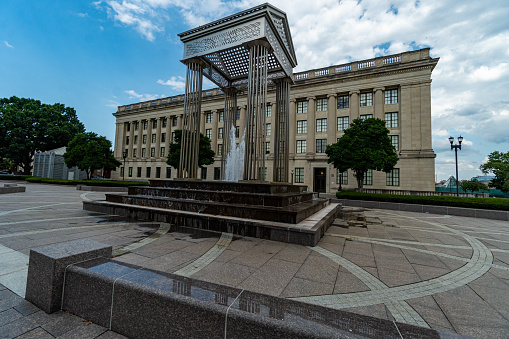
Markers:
<point>324,101</point>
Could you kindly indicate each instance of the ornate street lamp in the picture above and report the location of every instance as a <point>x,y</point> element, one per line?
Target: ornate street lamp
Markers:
<point>455,148</point>
<point>124,155</point>
<point>292,176</point>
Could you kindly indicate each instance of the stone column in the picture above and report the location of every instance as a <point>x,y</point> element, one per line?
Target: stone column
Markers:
<point>140,138</point>
<point>332,123</point>
<point>131,139</point>
<point>379,102</point>
<point>215,132</point>
<point>354,105</point>
<point>242,121</point>
<point>158,137</point>
<point>293,126</point>
<point>310,141</point>
<point>281,129</point>
<point>169,127</point>
<point>120,140</point>
<point>149,138</point>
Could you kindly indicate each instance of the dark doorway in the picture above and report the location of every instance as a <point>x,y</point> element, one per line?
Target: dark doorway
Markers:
<point>319,181</point>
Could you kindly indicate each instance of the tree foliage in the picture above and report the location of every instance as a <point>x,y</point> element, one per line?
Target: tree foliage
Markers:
<point>498,164</point>
<point>28,126</point>
<point>205,157</point>
<point>89,152</point>
<point>365,145</point>
<point>472,185</point>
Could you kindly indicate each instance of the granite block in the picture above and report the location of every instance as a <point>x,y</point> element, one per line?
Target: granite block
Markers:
<point>434,209</point>
<point>47,265</point>
<point>487,214</point>
<point>462,212</point>
<point>411,208</point>
<point>390,206</point>
<point>370,204</point>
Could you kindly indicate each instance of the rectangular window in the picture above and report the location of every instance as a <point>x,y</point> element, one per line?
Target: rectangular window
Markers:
<point>145,124</point>
<point>391,96</point>
<point>153,138</point>
<point>209,118</point>
<point>126,152</point>
<point>135,139</point>
<point>163,137</point>
<point>321,125</point>
<point>366,116</point>
<point>168,172</point>
<point>302,106</point>
<point>217,173</point>
<point>366,99</point>
<point>343,123</point>
<point>128,127</point>
<point>342,177</point>
<point>236,131</point>
<point>238,113</point>
<point>343,101</point>
<point>267,147</point>
<point>321,144</point>
<point>395,141</point>
<point>130,172</point>
<point>134,152</point>
<point>391,119</point>
<point>368,177</point>
<point>220,133</point>
<point>162,152</point>
<point>267,129</point>
<point>321,105</point>
<point>302,126</point>
<point>154,123</point>
<point>153,152</point>
<point>127,140</point>
<point>138,172</point>
<point>299,175</point>
<point>393,177</point>
<point>221,116</point>
<point>121,171</point>
<point>301,146</point>
<point>219,149</point>
<point>268,111</point>
<point>143,153</point>
<point>148,170</point>
<point>144,138</point>
<point>172,136</point>
<point>204,173</point>
<point>208,133</point>
<point>165,123</point>
<point>158,172</point>
<point>136,125</point>
<point>174,121</point>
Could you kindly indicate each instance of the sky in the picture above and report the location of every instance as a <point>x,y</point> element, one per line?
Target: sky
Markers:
<point>97,55</point>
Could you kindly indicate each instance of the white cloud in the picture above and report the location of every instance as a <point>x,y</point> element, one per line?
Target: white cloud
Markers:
<point>82,15</point>
<point>141,97</point>
<point>8,44</point>
<point>175,83</point>
<point>112,103</point>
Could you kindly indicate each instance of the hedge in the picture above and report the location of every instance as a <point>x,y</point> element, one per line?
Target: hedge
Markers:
<point>93,182</point>
<point>480,203</point>
<point>13,177</point>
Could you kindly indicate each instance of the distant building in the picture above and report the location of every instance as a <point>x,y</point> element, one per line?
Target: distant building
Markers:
<point>51,164</point>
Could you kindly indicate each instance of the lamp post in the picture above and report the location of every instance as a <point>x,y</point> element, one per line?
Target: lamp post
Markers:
<point>292,176</point>
<point>455,148</point>
<point>124,155</point>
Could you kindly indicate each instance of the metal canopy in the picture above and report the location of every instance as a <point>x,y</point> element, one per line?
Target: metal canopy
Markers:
<point>222,46</point>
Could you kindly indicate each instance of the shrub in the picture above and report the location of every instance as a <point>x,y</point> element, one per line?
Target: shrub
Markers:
<point>106,183</point>
<point>13,177</point>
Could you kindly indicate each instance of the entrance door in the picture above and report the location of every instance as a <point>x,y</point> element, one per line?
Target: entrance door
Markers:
<point>319,181</point>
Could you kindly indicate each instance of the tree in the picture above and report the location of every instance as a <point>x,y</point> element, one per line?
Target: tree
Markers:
<point>498,164</point>
<point>205,157</point>
<point>472,185</point>
<point>27,126</point>
<point>365,145</point>
<point>89,152</point>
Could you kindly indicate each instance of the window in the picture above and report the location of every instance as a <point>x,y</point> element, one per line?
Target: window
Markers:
<point>137,126</point>
<point>172,136</point>
<point>236,131</point>
<point>267,129</point>
<point>168,172</point>
<point>321,125</point>
<point>134,152</point>
<point>153,138</point>
<point>343,176</point>
<point>147,171</point>
<point>302,106</point>
<point>145,124</point>
<point>219,149</point>
<point>301,146</point>
<point>238,113</point>
<point>143,153</point>
<point>393,177</point>
<point>126,152</point>
<point>366,116</point>
<point>128,127</point>
<point>208,133</point>
<point>162,152</point>
<point>204,173</point>
<point>127,140</point>
<point>321,144</point>
<point>321,104</point>
<point>391,96</point>
<point>209,118</point>
<point>343,101</point>
<point>299,175</point>
<point>217,173</point>
<point>395,141</point>
<point>174,121</point>
<point>391,120</point>
<point>343,123</point>
<point>135,139</point>
<point>144,138</point>
<point>163,137</point>
<point>130,172</point>
<point>165,123</point>
<point>366,99</point>
<point>267,147</point>
<point>268,111</point>
<point>154,123</point>
<point>221,116</point>
<point>138,172</point>
<point>153,152</point>
<point>368,177</point>
<point>302,126</point>
<point>158,172</point>
<point>121,171</point>
<point>220,133</point>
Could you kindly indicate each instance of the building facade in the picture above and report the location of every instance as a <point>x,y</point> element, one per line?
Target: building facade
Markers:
<point>51,164</point>
<point>395,88</point>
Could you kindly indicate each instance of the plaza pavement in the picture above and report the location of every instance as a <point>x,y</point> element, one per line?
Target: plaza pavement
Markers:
<point>447,273</point>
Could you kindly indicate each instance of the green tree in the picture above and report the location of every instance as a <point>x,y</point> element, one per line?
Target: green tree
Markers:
<point>365,145</point>
<point>498,164</point>
<point>472,185</point>
<point>89,152</point>
<point>206,156</point>
<point>28,126</point>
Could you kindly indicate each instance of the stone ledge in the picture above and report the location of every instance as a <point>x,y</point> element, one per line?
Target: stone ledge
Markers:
<point>12,188</point>
<point>101,188</point>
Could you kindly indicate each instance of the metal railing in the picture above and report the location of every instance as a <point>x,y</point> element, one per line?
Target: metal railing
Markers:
<point>423,193</point>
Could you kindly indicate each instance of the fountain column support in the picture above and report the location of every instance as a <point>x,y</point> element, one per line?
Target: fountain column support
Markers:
<point>190,143</point>
<point>281,131</point>
<point>230,117</point>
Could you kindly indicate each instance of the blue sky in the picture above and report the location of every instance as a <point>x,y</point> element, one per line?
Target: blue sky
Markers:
<point>96,55</point>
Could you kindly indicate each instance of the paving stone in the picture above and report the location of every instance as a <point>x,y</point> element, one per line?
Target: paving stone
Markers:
<point>63,325</point>
<point>229,274</point>
<point>9,315</point>
<point>298,287</point>
<point>36,333</point>
<point>377,311</point>
<point>26,308</point>
<point>111,335</point>
<point>431,312</point>
<point>318,268</point>
<point>346,282</point>
<point>17,327</point>
<point>84,331</point>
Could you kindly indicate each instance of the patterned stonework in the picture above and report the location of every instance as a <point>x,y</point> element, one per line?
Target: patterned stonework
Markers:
<point>278,50</point>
